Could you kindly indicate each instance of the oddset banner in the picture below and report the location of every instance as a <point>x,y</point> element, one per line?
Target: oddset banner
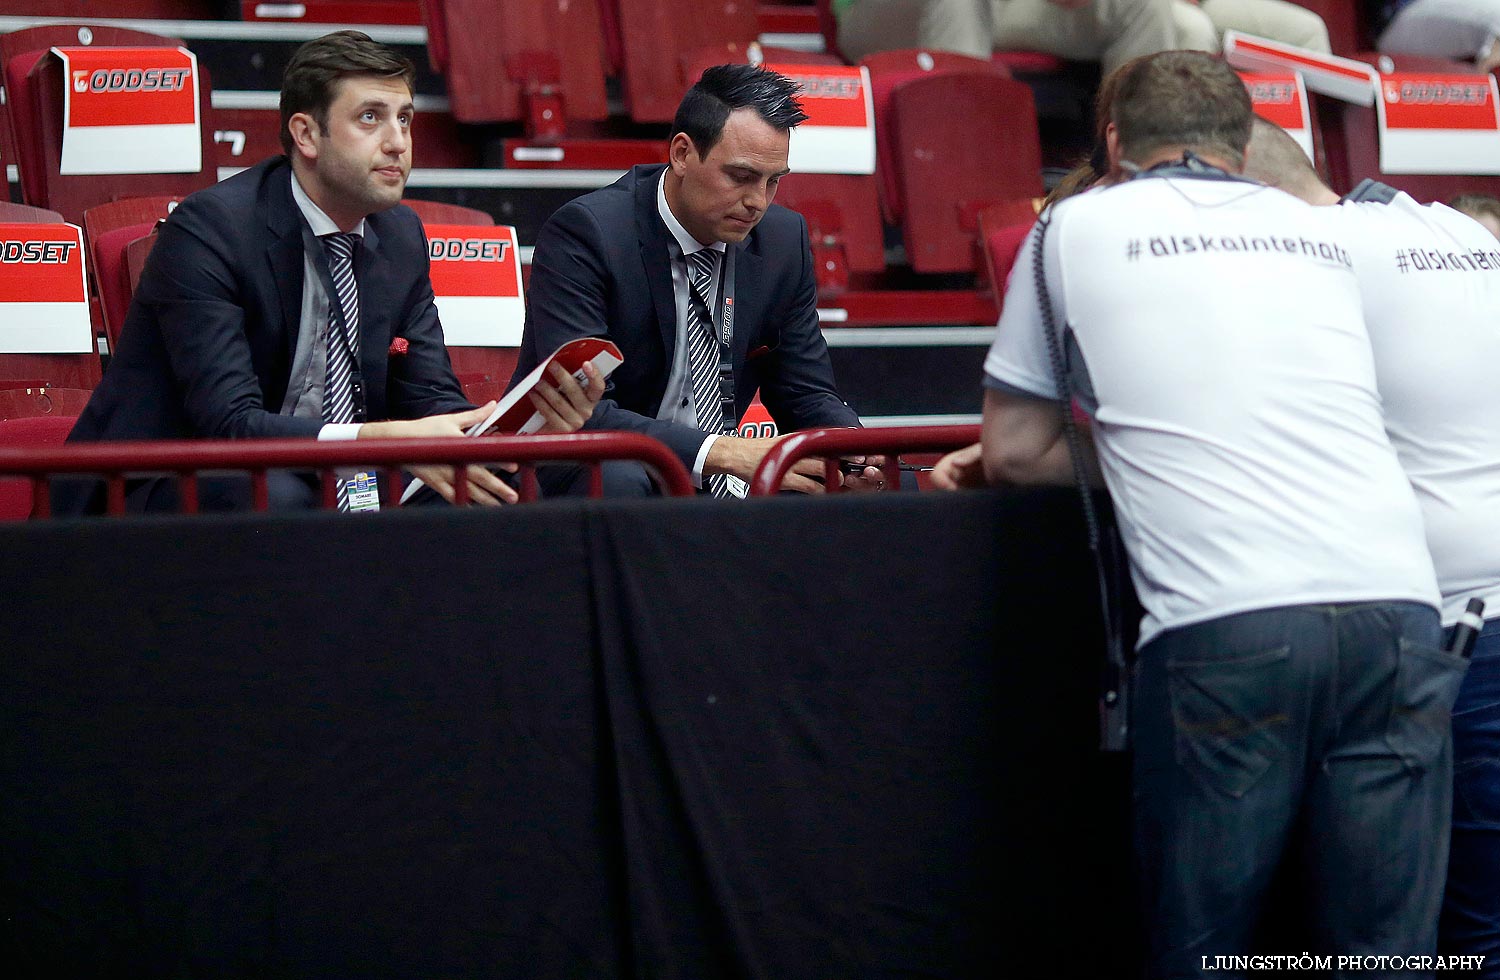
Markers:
<point>44,304</point>
<point>476,279</point>
<point>1281,98</point>
<point>1438,124</point>
<point>130,111</point>
<point>839,134</point>
<point>1343,78</point>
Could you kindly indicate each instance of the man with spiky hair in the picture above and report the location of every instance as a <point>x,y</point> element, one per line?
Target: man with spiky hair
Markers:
<point>706,286</point>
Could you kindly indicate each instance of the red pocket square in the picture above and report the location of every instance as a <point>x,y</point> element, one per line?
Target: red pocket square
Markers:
<point>760,351</point>
<point>399,347</point>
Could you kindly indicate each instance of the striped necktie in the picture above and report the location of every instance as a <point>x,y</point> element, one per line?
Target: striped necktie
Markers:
<point>703,352</point>
<point>343,346</point>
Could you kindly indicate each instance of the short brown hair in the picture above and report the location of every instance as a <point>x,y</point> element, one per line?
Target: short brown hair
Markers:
<point>1182,98</point>
<point>1475,205</point>
<point>317,67</point>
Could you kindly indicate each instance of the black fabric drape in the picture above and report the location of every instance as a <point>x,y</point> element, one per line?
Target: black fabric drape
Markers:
<point>676,739</point>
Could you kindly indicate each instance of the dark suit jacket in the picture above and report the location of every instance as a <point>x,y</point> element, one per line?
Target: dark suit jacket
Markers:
<point>206,350</point>
<point>602,268</point>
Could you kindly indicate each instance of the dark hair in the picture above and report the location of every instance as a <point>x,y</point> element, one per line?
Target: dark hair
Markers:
<point>317,67</point>
<point>1087,173</point>
<point>1182,98</point>
<point>725,88</point>
<point>1475,205</point>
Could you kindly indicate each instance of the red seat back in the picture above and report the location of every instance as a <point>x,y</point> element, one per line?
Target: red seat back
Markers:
<point>515,61</point>
<point>112,275</point>
<point>656,37</point>
<point>39,93</point>
<point>25,214</point>
<point>888,71</point>
<point>442,213</point>
<point>16,498</point>
<point>962,142</point>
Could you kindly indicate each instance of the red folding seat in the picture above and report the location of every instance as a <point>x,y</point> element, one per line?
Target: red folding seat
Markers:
<point>953,135</point>
<point>661,38</point>
<point>35,93</point>
<point>541,63</point>
<point>482,371</point>
<point>37,432</point>
<point>108,231</point>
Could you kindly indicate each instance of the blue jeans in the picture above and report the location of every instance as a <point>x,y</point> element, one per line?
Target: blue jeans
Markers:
<point>1471,907</point>
<point>1315,734</point>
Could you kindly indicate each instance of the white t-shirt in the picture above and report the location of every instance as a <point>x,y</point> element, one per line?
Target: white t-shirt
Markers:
<point>1430,278</point>
<point>1237,419</point>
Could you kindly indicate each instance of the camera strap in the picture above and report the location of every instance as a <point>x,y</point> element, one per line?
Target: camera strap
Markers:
<point>1104,541</point>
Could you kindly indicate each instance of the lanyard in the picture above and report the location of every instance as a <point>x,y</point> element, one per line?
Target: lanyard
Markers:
<point>723,337</point>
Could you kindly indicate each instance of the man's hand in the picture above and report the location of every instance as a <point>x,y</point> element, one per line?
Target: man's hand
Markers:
<point>870,478</point>
<point>484,487</point>
<point>962,469</point>
<point>569,405</point>
<point>740,457</point>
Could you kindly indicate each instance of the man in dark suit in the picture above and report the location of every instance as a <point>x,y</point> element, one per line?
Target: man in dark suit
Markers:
<point>700,332</point>
<point>270,301</point>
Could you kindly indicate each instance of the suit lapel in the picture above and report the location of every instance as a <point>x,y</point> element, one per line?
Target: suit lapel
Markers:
<point>284,256</point>
<point>653,236</point>
<point>748,299</point>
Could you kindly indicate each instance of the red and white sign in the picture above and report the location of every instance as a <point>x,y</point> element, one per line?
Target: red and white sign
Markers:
<point>839,135</point>
<point>1438,124</point>
<point>476,278</point>
<point>130,111</point>
<point>44,300</point>
<point>1342,78</point>
<point>757,422</point>
<point>1281,98</point>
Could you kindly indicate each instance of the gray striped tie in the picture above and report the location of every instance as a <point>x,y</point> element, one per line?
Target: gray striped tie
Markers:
<point>343,348</point>
<point>703,352</point>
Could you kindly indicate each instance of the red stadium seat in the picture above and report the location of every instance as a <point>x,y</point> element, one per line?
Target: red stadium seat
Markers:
<point>482,371</point>
<point>37,432</point>
<point>1351,150</point>
<point>959,141</point>
<point>112,274</point>
<point>34,86</point>
<point>660,37</point>
<point>1004,227</point>
<point>120,223</point>
<point>540,63</point>
<point>843,224</point>
<point>25,214</point>
<point>442,213</point>
<point>20,115</point>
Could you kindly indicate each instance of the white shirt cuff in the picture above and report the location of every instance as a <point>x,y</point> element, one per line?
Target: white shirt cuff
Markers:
<point>698,463</point>
<point>339,432</point>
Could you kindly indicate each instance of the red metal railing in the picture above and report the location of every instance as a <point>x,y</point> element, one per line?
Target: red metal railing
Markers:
<point>187,459</point>
<point>830,444</point>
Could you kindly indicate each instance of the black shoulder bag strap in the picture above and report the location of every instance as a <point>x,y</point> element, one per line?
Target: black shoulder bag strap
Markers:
<point>1104,542</point>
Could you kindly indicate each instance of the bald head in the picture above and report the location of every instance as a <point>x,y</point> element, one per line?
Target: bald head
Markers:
<point>1274,158</point>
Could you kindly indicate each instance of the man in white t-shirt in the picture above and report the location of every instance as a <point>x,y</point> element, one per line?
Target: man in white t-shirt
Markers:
<point>1288,664</point>
<point>1430,280</point>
